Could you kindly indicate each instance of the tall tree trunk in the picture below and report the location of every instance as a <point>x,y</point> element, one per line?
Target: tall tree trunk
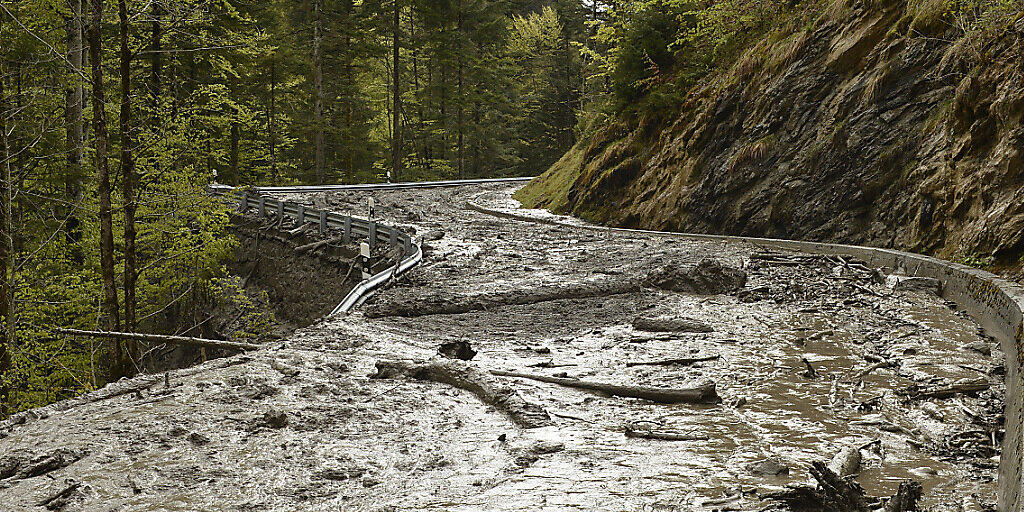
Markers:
<point>233,150</point>
<point>462,100</point>
<point>349,106</point>
<point>99,121</point>
<point>128,192</point>
<point>318,83</point>
<point>396,125</point>
<point>272,118</point>
<point>156,59</point>
<point>73,113</point>
<point>6,309</point>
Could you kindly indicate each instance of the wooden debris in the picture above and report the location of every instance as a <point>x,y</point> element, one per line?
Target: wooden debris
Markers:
<point>160,338</point>
<point>318,244</point>
<point>954,389</point>
<point>906,497</point>
<point>702,394</point>
<point>683,361</point>
<point>465,376</point>
<point>650,430</point>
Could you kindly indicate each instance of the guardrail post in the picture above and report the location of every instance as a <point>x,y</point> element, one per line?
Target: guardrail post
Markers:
<point>280,213</point>
<point>408,245</point>
<point>346,234</point>
<point>323,222</point>
<point>373,234</point>
<point>243,202</point>
<point>300,218</point>
<point>393,241</point>
<point>263,207</point>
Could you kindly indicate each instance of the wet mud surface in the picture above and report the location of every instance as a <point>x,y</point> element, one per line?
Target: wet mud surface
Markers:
<point>301,425</point>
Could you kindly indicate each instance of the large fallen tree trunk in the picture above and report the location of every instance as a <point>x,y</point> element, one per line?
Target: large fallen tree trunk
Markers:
<point>467,377</point>
<point>706,277</point>
<point>702,394</point>
<point>160,338</point>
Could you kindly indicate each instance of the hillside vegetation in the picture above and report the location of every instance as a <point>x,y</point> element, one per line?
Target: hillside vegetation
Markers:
<point>889,123</point>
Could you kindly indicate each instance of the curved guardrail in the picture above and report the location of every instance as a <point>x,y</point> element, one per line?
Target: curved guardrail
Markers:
<point>994,302</point>
<point>351,228</point>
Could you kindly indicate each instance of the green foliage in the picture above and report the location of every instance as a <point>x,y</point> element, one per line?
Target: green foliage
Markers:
<point>975,260</point>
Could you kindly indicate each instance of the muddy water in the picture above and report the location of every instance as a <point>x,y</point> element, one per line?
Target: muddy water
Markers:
<point>353,443</point>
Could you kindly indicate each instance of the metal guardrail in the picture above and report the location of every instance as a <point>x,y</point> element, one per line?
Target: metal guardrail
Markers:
<point>351,228</point>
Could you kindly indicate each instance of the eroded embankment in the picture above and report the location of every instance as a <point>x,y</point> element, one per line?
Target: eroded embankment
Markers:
<point>301,283</point>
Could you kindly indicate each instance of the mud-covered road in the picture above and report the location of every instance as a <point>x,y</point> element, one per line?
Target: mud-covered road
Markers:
<point>302,426</point>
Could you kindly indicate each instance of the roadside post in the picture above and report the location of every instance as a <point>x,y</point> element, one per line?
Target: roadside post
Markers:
<point>364,260</point>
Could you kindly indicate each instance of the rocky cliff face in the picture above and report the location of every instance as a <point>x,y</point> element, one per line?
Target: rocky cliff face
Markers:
<point>877,125</point>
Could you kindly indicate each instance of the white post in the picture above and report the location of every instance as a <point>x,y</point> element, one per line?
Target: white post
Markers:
<point>364,259</point>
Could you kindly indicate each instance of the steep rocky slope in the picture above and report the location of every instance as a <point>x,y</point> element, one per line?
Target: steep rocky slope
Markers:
<point>879,124</point>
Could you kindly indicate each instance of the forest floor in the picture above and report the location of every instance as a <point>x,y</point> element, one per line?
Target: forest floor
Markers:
<point>301,425</point>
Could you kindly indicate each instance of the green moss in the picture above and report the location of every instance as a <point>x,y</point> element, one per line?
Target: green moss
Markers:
<point>937,116</point>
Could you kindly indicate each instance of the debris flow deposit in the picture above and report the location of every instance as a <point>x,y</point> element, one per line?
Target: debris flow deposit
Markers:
<point>533,366</point>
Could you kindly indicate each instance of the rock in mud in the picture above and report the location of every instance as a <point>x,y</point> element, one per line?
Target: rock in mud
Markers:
<point>198,439</point>
<point>20,466</point>
<point>275,418</point>
<point>670,324</point>
<point>457,350</point>
<point>900,283</point>
<point>434,235</point>
<point>527,455</point>
<point>709,277</point>
<point>770,466</point>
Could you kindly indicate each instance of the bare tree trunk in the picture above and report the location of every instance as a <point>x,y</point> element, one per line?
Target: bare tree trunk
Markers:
<point>318,83</point>
<point>462,99</point>
<point>235,177</point>
<point>349,106</point>
<point>6,310</point>
<point>128,179</point>
<point>396,125</point>
<point>73,112</point>
<point>156,61</point>
<point>271,117</point>
<point>99,121</point>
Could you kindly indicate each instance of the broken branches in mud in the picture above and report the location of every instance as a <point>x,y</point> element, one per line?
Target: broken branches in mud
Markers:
<point>159,338</point>
<point>681,361</point>
<point>701,394</point>
<point>467,377</point>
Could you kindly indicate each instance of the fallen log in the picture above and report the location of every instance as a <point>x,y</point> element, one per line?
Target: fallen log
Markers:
<point>708,277</point>
<point>670,324</point>
<point>676,361</point>
<point>637,430</point>
<point>954,389</point>
<point>864,373</point>
<point>465,376</point>
<point>160,338</point>
<point>318,244</point>
<point>702,394</point>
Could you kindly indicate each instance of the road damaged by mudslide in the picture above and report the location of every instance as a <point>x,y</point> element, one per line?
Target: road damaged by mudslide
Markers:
<point>530,366</point>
